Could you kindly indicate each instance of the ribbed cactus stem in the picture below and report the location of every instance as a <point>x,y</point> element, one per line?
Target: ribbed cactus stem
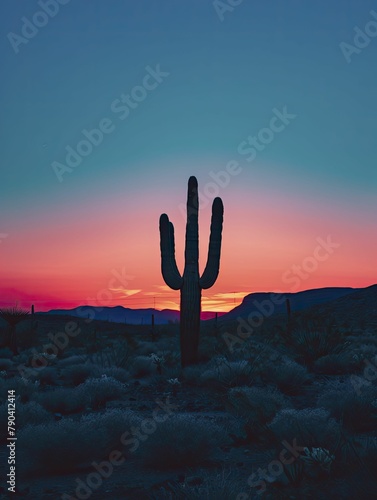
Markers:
<point>190,283</point>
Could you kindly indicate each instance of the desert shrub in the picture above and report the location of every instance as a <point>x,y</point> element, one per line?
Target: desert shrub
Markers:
<point>77,374</point>
<point>117,354</point>
<point>93,393</point>
<point>72,360</point>
<point>337,364</point>
<point>181,441</point>
<point>142,366</point>
<point>311,345</point>
<point>256,403</point>
<point>356,409</point>
<point>146,348</point>
<point>225,374</point>
<point>117,373</point>
<point>289,376</point>
<point>5,364</point>
<point>312,428</point>
<point>64,445</point>
<point>25,388</point>
<point>97,391</point>
<point>256,406</point>
<point>62,400</point>
<point>26,414</point>
<point>47,376</point>
<point>206,486</point>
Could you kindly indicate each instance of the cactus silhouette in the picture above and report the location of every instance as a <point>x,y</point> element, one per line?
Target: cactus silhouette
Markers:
<point>190,283</point>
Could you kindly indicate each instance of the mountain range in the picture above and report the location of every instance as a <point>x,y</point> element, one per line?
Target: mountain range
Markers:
<point>266,303</point>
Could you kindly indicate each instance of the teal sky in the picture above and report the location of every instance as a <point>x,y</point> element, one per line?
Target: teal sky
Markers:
<point>225,78</point>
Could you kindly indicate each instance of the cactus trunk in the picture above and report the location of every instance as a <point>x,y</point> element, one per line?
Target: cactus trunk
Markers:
<point>191,284</point>
<point>191,295</point>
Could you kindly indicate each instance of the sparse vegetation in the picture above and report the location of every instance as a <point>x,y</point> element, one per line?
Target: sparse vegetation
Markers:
<point>232,411</point>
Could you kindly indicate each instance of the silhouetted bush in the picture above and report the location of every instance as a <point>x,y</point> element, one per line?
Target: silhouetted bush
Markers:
<point>181,441</point>
<point>64,445</point>
<point>117,373</point>
<point>289,376</point>
<point>357,411</point>
<point>25,388</point>
<point>311,427</point>
<point>76,374</point>
<point>72,360</point>
<point>26,414</point>
<point>338,364</point>
<point>225,374</point>
<point>5,364</point>
<point>205,485</point>
<point>97,391</point>
<point>93,393</point>
<point>257,404</point>
<point>62,400</point>
<point>47,376</point>
<point>142,366</point>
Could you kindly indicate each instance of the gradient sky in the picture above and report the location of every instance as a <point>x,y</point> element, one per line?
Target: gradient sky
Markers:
<point>66,243</point>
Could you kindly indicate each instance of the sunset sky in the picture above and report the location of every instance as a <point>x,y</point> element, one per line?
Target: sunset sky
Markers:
<point>88,234</point>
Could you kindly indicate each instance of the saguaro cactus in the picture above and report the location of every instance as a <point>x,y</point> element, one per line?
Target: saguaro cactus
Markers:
<point>190,283</point>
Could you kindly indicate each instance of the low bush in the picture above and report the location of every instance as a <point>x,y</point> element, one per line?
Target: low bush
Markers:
<point>47,376</point>
<point>28,413</point>
<point>357,410</point>
<point>256,403</point>
<point>72,360</point>
<point>204,486</point>
<point>76,374</point>
<point>97,391</point>
<point>94,393</point>
<point>5,364</point>
<point>312,428</point>
<point>181,441</point>
<point>62,400</point>
<point>338,364</point>
<point>65,445</point>
<point>23,387</point>
<point>142,366</point>
<point>289,376</point>
<point>224,374</point>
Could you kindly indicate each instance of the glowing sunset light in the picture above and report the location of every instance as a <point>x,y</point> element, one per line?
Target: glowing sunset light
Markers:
<point>92,237</point>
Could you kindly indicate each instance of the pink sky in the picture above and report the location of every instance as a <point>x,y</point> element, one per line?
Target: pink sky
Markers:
<point>74,254</point>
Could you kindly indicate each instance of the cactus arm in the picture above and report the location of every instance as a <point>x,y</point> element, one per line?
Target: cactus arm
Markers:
<point>192,227</point>
<point>211,270</point>
<point>169,267</point>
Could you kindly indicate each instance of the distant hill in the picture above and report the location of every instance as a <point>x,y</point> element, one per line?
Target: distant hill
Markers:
<point>120,314</point>
<point>357,309</point>
<point>263,301</point>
